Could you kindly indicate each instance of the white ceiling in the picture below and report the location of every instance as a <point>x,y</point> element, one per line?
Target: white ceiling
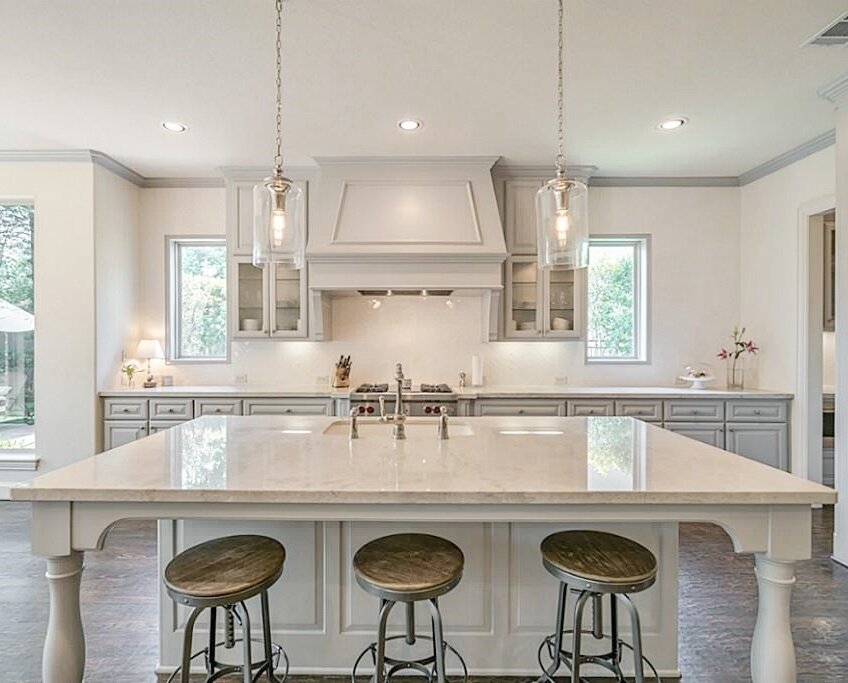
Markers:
<point>103,74</point>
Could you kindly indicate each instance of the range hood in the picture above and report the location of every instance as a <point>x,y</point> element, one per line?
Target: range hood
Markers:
<point>423,223</point>
<point>400,223</point>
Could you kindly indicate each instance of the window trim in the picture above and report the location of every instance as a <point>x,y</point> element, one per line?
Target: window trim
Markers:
<point>172,306</point>
<point>641,244</point>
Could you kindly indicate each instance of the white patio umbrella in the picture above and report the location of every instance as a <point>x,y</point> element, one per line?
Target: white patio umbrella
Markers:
<point>15,319</point>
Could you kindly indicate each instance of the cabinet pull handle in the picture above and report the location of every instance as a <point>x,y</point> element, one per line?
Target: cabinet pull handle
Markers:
<point>521,411</point>
<point>288,410</point>
<point>126,410</point>
<point>756,411</point>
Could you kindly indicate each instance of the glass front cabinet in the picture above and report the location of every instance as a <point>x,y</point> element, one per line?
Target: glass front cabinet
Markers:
<point>270,302</point>
<point>542,303</point>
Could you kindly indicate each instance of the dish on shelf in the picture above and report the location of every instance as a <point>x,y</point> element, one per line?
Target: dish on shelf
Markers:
<point>527,325</point>
<point>250,325</point>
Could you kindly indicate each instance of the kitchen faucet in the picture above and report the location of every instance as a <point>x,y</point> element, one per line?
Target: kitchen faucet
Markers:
<point>399,418</point>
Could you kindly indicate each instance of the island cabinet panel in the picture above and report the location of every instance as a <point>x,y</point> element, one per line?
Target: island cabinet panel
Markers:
<point>283,406</point>
<point>119,432</point>
<point>642,409</point>
<point>590,408</point>
<point>766,443</point>
<point>171,409</point>
<point>526,407</point>
<point>693,410</point>
<point>709,433</point>
<point>125,409</point>
<point>217,406</point>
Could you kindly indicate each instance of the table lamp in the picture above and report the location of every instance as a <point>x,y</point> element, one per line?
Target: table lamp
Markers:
<point>149,348</point>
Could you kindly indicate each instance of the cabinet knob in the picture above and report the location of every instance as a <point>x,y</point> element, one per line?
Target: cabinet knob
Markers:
<point>521,411</point>
<point>757,411</point>
<point>288,410</point>
<point>170,410</point>
<point>126,410</point>
<point>217,410</point>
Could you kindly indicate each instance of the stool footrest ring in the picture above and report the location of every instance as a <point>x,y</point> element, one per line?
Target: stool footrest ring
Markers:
<point>608,660</point>
<point>224,669</point>
<point>424,665</point>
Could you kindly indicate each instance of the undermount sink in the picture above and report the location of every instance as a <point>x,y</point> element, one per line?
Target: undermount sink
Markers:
<point>416,428</point>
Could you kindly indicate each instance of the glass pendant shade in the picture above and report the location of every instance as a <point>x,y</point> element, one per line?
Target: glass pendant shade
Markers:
<point>562,224</point>
<point>278,231</point>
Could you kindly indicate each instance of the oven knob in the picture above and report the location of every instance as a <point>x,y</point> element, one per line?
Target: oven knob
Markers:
<point>428,410</point>
<point>370,409</point>
<point>361,409</point>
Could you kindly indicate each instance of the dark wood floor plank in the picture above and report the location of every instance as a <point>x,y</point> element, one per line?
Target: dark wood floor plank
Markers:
<point>717,607</point>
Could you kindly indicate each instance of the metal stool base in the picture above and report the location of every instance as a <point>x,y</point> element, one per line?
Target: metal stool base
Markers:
<point>426,666</point>
<point>223,669</point>
<point>609,660</point>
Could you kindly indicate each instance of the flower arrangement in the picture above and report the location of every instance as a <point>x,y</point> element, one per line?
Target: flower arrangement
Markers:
<point>740,347</point>
<point>129,371</point>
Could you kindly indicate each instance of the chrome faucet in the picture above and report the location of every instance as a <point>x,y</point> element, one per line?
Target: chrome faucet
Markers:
<point>399,418</point>
<point>354,426</point>
<point>443,423</point>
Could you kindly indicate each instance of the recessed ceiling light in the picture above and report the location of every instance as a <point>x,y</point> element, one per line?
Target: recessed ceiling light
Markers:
<point>410,124</point>
<point>174,126</point>
<point>673,124</point>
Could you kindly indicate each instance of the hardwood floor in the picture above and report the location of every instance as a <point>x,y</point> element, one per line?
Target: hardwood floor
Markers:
<point>717,606</point>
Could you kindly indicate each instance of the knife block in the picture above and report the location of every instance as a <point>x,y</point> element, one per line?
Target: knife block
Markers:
<point>341,377</point>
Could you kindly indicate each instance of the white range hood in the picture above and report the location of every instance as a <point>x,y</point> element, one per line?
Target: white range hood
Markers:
<point>407,223</point>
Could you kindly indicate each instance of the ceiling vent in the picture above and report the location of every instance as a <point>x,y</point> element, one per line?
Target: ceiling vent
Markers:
<point>835,33</point>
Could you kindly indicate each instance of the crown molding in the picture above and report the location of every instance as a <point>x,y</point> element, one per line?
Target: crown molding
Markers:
<point>182,182</point>
<point>817,144</point>
<point>540,171</point>
<point>256,173</point>
<point>664,181</point>
<point>409,160</point>
<point>835,89</point>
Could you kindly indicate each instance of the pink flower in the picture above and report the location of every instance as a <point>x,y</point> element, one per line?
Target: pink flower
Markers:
<point>750,347</point>
<point>723,354</point>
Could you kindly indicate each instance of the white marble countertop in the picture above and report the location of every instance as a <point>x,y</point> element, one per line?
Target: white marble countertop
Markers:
<point>490,391</point>
<point>494,460</point>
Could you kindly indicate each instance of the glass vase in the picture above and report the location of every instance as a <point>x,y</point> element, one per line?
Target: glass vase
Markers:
<point>736,374</point>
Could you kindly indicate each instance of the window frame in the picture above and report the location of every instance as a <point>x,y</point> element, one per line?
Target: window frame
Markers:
<point>641,244</point>
<point>173,286</point>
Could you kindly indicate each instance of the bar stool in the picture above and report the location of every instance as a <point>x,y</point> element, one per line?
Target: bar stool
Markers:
<point>596,563</point>
<point>408,568</point>
<point>225,572</point>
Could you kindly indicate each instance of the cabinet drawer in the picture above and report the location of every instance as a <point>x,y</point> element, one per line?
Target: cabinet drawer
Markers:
<point>156,426</point>
<point>710,434</point>
<point>521,408</point>
<point>271,406</point>
<point>171,409</point>
<point>756,411</point>
<point>589,408</point>
<point>694,411</point>
<point>217,406</point>
<point>650,411</point>
<point>125,408</point>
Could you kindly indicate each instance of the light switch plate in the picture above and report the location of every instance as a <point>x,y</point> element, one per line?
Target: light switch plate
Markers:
<point>561,381</point>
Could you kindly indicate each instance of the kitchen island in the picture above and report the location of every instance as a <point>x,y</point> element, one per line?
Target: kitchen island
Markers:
<point>496,487</point>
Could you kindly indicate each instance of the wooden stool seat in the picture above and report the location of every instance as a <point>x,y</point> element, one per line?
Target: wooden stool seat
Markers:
<point>608,562</point>
<point>407,567</point>
<point>224,570</point>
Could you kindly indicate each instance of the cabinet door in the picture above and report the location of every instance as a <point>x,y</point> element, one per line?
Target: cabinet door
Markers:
<point>249,300</point>
<point>563,297</point>
<point>119,432</point>
<point>523,298</point>
<point>765,443</point>
<point>829,275</point>
<point>520,215</point>
<point>708,433</point>
<point>288,294</point>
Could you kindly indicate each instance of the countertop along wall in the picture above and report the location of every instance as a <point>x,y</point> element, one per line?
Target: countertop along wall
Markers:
<point>694,290</point>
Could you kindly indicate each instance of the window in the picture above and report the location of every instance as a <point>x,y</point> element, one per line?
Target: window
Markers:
<point>617,303</point>
<point>197,299</point>
<point>17,327</point>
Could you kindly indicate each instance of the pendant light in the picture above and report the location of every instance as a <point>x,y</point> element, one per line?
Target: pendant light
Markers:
<point>562,211</point>
<point>278,231</point>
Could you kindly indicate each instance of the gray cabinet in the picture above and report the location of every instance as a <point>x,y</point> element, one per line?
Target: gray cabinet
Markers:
<point>520,407</point>
<point>285,406</point>
<point>266,303</point>
<point>649,410</point>
<point>217,406</point>
<point>693,410</point>
<point>706,432</point>
<point>590,407</point>
<point>120,432</point>
<point>520,215</point>
<point>765,443</point>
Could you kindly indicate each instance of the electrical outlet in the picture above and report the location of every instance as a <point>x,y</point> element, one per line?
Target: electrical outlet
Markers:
<point>561,381</point>
<point>322,379</point>
<point>241,379</point>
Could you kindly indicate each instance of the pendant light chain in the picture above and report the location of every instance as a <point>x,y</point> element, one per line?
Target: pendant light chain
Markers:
<point>560,160</point>
<point>278,157</point>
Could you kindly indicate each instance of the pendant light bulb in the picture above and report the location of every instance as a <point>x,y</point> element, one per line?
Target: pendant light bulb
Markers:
<point>278,232</point>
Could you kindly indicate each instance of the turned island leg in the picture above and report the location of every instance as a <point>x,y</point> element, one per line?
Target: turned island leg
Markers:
<point>64,646</point>
<point>772,650</point>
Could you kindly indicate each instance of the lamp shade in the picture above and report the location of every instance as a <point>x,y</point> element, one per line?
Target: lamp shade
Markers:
<point>562,223</point>
<point>278,233</point>
<point>149,348</point>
